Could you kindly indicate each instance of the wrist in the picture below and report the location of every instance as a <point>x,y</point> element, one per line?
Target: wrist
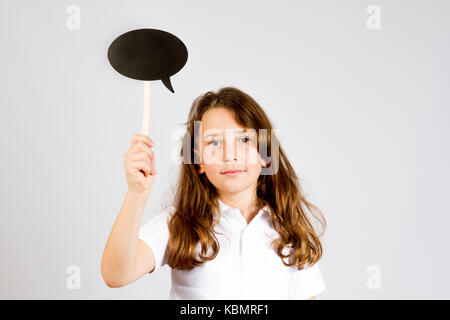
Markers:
<point>137,196</point>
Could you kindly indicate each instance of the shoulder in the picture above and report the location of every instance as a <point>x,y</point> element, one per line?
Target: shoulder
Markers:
<point>166,212</point>
<point>159,220</point>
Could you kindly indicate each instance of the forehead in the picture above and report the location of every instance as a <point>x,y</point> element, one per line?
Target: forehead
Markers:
<point>219,120</point>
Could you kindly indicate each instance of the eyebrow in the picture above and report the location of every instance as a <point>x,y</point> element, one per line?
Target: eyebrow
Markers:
<point>219,134</point>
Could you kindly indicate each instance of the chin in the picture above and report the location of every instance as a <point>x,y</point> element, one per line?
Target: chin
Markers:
<point>232,187</point>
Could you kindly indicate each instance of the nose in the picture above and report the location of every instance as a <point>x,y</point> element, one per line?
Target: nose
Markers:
<point>230,149</point>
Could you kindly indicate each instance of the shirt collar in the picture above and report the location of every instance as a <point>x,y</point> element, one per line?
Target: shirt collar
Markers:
<point>226,208</point>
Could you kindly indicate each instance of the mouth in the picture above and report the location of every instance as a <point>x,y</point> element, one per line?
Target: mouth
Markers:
<point>232,172</point>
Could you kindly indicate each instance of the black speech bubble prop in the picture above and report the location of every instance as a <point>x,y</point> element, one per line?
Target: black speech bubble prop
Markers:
<point>148,54</point>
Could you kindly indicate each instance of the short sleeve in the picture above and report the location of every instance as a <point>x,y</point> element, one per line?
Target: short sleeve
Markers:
<point>306,283</point>
<point>155,233</point>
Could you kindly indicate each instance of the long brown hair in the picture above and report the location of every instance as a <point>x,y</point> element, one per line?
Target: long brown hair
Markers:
<point>195,201</point>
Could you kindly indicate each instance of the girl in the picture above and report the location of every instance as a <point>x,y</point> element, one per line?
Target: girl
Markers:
<point>238,226</point>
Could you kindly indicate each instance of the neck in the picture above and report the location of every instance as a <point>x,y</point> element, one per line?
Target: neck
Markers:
<point>245,201</point>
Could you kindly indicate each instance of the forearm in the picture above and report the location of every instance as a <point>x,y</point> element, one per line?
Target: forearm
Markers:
<point>119,255</point>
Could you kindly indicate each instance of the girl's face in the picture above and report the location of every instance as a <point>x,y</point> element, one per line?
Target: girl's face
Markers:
<point>226,146</point>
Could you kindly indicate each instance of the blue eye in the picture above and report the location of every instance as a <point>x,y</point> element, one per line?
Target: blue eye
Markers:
<point>213,142</point>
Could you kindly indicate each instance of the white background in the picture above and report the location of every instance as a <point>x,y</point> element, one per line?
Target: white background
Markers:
<point>363,115</point>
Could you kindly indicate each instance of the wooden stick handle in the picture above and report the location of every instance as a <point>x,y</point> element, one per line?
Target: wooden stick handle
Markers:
<point>146,113</point>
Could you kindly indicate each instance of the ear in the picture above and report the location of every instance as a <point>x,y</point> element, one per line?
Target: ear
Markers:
<point>263,163</point>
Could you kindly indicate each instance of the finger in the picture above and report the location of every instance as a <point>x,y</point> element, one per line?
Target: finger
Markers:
<point>142,165</point>
<point>139,137</point>
<point>134,170</point>
<point>146,150</point>
<point>142,137</point>
<point>142,156</point>
<point>140,146</point>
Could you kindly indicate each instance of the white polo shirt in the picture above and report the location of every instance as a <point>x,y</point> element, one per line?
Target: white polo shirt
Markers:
<point>246,267</point>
